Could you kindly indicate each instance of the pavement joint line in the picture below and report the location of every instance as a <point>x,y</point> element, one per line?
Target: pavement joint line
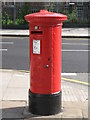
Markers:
<point>75,44</point>
<point>75,81</point>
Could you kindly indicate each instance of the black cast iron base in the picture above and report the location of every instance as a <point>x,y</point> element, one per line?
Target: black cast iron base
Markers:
<point>44,104</point>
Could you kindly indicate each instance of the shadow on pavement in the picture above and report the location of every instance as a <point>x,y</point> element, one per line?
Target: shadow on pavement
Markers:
<point>16,113</point>
<point>21,113</point>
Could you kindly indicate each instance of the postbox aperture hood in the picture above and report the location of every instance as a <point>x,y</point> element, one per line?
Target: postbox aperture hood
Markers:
<point>45,17</point>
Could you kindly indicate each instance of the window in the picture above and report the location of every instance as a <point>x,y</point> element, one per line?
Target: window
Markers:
<point>80,8</point>
<point>79,2</point>
<point>89,13</point>
<point>9,3</point>
<point>80,13</point>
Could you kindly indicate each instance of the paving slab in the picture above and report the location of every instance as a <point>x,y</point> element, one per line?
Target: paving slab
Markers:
<point>19,80</point>
<point>70,105</point>
<point>70,109</point>
<point>4,83</point>
<point>72,113</point>
<point>15,85</point>
<point>70,92</point>
<point>16,94</point>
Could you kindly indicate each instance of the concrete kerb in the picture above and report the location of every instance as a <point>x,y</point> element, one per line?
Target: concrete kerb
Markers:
<point>62,78</point>
<point>8,70</point>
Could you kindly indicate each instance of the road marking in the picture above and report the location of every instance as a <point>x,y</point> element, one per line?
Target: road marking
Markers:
<point>75,39</point>
<point>68,74</point>
<point>75,50</point>
<point>76,81</point>
<point>6,42</point>
<point>75,44</point>
<point>3,50</point>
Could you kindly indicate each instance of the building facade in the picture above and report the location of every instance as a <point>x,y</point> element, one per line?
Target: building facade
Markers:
<point>83,9</point>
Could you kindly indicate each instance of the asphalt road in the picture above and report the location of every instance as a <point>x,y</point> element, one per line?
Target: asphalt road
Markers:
<point>15,54</point>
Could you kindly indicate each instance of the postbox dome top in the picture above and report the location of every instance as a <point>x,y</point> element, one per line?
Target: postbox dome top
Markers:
<point>44,16</point>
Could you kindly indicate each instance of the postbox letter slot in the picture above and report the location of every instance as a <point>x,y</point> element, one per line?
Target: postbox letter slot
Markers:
<point>36,32</point>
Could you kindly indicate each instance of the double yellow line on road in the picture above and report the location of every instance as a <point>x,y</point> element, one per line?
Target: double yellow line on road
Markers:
<point>75,81</point>
<point>68,79</point>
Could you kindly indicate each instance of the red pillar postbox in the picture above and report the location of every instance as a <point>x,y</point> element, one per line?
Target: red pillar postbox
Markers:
<point>45,62</point>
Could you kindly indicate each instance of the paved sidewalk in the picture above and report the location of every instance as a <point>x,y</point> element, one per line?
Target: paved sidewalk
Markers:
<point>14,98</point>
<point>66,32</point>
